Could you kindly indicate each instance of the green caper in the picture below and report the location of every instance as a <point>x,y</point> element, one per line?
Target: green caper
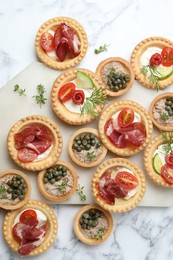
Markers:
<point>127,78</point>
<point>167,108</point>
<point>83,226</point>
<point>58,178</point>
<point>90,222</point>
<point>14,196</point>
<point>77,138</point>
<point>59,173</point>
<point>9,182</point>
<point>52,181</point>
<point>98,145</point>
<point>92,136</point>
<point>23,192</point>
<point>85,215</point>
<point>50,176</point>
<point>46,174</point>
<point>15,184</point>
<point>85,221</point>
<point>9,190</point>
<point>17,192</point>
<point>21,197</point>
<point>95,223</point>
<point>84,142</point>
<point>88,147</point>
<point>64,169</point>
<point>64,174</point>
<point>45,180</point>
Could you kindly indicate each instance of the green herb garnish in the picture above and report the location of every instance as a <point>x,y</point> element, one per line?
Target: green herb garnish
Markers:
<point>91,155</point>
<point>168,139</point>
<point>40,99</point>
<point>97,98</point>
<point>63,185</point>
<point>153,75</point>
<point>19,90</point>
<point>164,116</point>
<point>2,192</point>
<point>100,233</point>
<point>101,49</point>
<point>79,190</point>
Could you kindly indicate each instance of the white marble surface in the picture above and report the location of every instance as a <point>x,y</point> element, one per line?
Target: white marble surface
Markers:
<point>144,233</point>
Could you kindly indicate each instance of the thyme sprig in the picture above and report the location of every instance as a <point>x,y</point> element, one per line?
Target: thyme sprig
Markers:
<point>40,99</point>
<point>19,90</point>
<point>102,48</point>
<point>97,98</point>
<point>168,139</point>
<point>152,74</point>
<point>100,233</point>
<point>91,155</point>
<point>164,116</point>
<point>80,192</point>
<point>63,184</point>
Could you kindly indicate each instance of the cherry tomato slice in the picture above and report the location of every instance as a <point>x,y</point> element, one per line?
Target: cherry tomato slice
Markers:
<point>127,180</point>
<point>125,117</point>
<point>27,155</point>
<point>169,160</point>
<point>28,215</point>
<point>167,56</point>
<point>47,41</point>
<point>66,92</point>
<point>78,97</point>
<point>156,59</point>
<point>167,173</point>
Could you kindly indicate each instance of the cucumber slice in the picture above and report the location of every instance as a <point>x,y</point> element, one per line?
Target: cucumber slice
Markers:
<point>165,72</point>
<point>157,163</point>
<point>84,81</point>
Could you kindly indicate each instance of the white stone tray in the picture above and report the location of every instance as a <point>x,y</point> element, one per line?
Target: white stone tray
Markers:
<point>14,107</point>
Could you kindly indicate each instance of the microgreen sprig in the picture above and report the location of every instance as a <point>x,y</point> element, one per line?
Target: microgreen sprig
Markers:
<point>63,184</point>
<point>102,48</point>
<point>79,191</point>
<point>168,140</point>
<point>164,116</point>
<point>40,99</point>
<point>19,90</point>
<point>100,233</point>
<point>152,74</point>
<point>91,155</point>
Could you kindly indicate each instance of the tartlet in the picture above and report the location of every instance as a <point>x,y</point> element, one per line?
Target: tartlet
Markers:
<point>107,115</point>
<point>53,151</point>
<point>52,25</point>
<point>158,42</point>
<point>152,164</point>
<point>19,193</point>
<point>101,233</point>
<point>109,67</point>
<point>161,111</point>
<point>51,227</point>
<point>102,179</point>
<point>63,181</point>
<point>71,117</point>
<point>90,154</point>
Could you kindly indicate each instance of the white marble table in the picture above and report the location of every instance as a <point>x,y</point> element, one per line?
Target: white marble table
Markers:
<point>145,232</point>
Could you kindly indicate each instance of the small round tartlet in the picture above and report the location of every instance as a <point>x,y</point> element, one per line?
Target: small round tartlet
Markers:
<point>100,233</point>
<point>161,113</point>
<point>149,156</point>
<point>119,66</point>
<point>52,227</point>
<point>158,42</point>
<point>52,25</point>
<point>86,157</point>
<point>56,147</point>
<point>74,118</point>
<point>68,178</point>
<point>120,204</point>
<point>21,187</point>
<point>107,114</point>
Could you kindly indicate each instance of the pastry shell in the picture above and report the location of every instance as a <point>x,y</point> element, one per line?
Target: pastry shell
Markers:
<point>67,195</point>
<point>50,234</point>
<point>52,24</point>
<point>110,111</point>
<point>55,151</point>
<point>120,205</point>
<point>155,100</point>
<point>60,109</point>
<point>20,203</point>
<point>159,42</point>
<point>148,161</point>
<point>127,68</point>
<point>77,228</point>
<point>71,153</point>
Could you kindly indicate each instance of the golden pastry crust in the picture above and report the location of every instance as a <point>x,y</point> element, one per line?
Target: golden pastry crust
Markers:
<point>100,157</point>
<point>59,108</point>
<point>20,203</point>
<point>110,111</point>
<point>52,24</point>
<point>56,148</point>
<point>127,69</point>
<point>159,42</point>
<point>121,205</point>
<point>67,195</point>
<point>148,161</point>
<point>155,100</point>
<point>77,228</point>
<point>50,234</point>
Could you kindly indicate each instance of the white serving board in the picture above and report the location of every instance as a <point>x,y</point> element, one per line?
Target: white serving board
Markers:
<point>14,107</point>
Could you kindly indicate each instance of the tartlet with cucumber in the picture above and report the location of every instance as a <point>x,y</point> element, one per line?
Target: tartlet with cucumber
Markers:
<point>158,159</point>
<point>77,96</point>
<point>152,62</point>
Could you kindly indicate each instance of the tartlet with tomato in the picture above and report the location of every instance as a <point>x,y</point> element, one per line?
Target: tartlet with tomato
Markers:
<point>118,185</point>
<point>152,62</point>
<point>125,127</point>
<point>30,230</point>
<point>77,96</point>
<point>158,159</point>
<point>116,75</point>
<point>61,43</point>
<point>34,143</point>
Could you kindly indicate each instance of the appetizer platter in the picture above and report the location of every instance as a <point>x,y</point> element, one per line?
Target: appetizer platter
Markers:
<point>21,93</point>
